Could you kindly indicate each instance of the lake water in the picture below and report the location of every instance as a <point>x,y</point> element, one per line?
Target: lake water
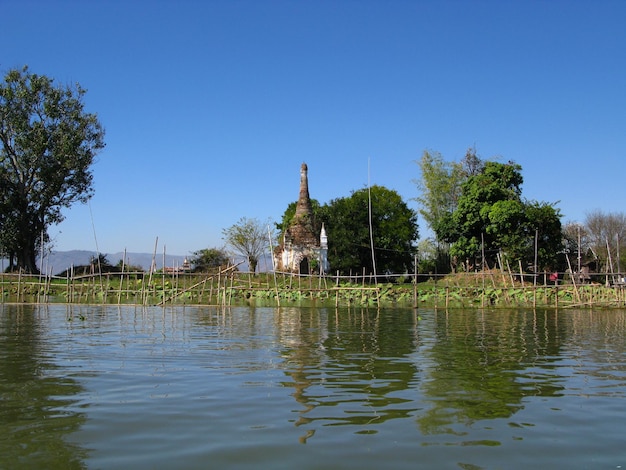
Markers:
<point>309,388</point>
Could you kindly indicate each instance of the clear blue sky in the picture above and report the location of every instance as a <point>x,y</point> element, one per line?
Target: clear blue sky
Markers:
<point>210,107</point>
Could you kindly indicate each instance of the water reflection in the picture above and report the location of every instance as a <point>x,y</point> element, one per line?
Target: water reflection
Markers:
<point>349,367</point>
<point>448,370</point>
<point>475,365</point>
<point>158,386</point>
<point>34,415</point>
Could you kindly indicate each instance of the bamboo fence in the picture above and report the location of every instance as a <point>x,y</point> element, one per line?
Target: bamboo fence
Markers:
<point>229,286</point>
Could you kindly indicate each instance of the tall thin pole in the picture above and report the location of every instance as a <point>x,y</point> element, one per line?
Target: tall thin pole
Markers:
<point>619,268</point>
<point>579,254</point>
<point>95,239</point>
<point>536,249</point>
<point>269,236</point>
<point>369,197</point>
<point>608,250</point>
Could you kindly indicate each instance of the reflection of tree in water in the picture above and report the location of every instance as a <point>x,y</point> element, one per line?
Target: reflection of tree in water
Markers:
<point>482,369</point>
<point>349,367</point>
<point>34,420</point>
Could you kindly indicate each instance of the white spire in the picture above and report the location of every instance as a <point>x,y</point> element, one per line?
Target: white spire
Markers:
<point>323,238</point>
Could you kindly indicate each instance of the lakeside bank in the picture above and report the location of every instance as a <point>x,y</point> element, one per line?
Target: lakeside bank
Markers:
<point>230,287</point>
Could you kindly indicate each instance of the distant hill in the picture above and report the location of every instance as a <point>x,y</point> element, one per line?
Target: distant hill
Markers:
<point>59,261</point>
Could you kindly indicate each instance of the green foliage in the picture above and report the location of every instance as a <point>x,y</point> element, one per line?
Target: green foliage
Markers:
<point>432,258</point>
<point>492,218</point>
<point>394,228</point>
<point>207,259</point>
<point>440,186</point>
<point>544,220</point>
<point>497,183</point>
<point>48,145</point>
<point>123,266</point>
<point>97,264</point>
<point>100,261</point>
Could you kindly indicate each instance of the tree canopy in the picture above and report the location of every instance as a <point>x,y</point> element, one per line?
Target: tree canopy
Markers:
<point>440,187</point>
<point>206,259</point>
<point>248,238</point>
<point>48,144</point>
<point>481,212</point>
<point>394,232</point>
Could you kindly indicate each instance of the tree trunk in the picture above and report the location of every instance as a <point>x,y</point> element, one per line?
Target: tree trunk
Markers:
<point>253,264</point>
<point>26,258</point>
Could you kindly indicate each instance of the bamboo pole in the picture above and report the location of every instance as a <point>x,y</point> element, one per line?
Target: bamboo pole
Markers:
<point>119,293</point>
<point>219,286</point>
<point>269,236</point>
<point>178,294</point>
<point>508,267</point>
<point>152,266</point>
<point>69,280</point>
<point>230,293</point>
<point>416,270</point>
<point>573,280</point>
<point>556,296</point>
<point>163,272</point>
<point>201,294</point>
<point>19,285</point>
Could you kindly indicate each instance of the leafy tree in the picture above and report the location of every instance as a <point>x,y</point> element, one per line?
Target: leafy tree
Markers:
<point>394,228</point>
<point>248,238</point>
<point>491,217</point>
<point>48,146</point>
<point>544,221</point>
<point>123,266</point>
<point>432,257</point>
<point>97,264</point>
<point>100,264</point>
<point>440,186</point>
<point>208,258</point>
<point>500,185</point>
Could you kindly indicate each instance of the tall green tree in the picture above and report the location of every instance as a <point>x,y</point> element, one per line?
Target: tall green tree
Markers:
<point>491,218</point>
<point>48,147</point>
<point>249,237</point>
<point>440,187</point>
<point>489,208</point>
<point>394,231</point>
<point>544,222</point>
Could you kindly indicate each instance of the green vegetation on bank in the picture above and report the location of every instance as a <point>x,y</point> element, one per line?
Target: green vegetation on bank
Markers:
<point>491,289</point>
